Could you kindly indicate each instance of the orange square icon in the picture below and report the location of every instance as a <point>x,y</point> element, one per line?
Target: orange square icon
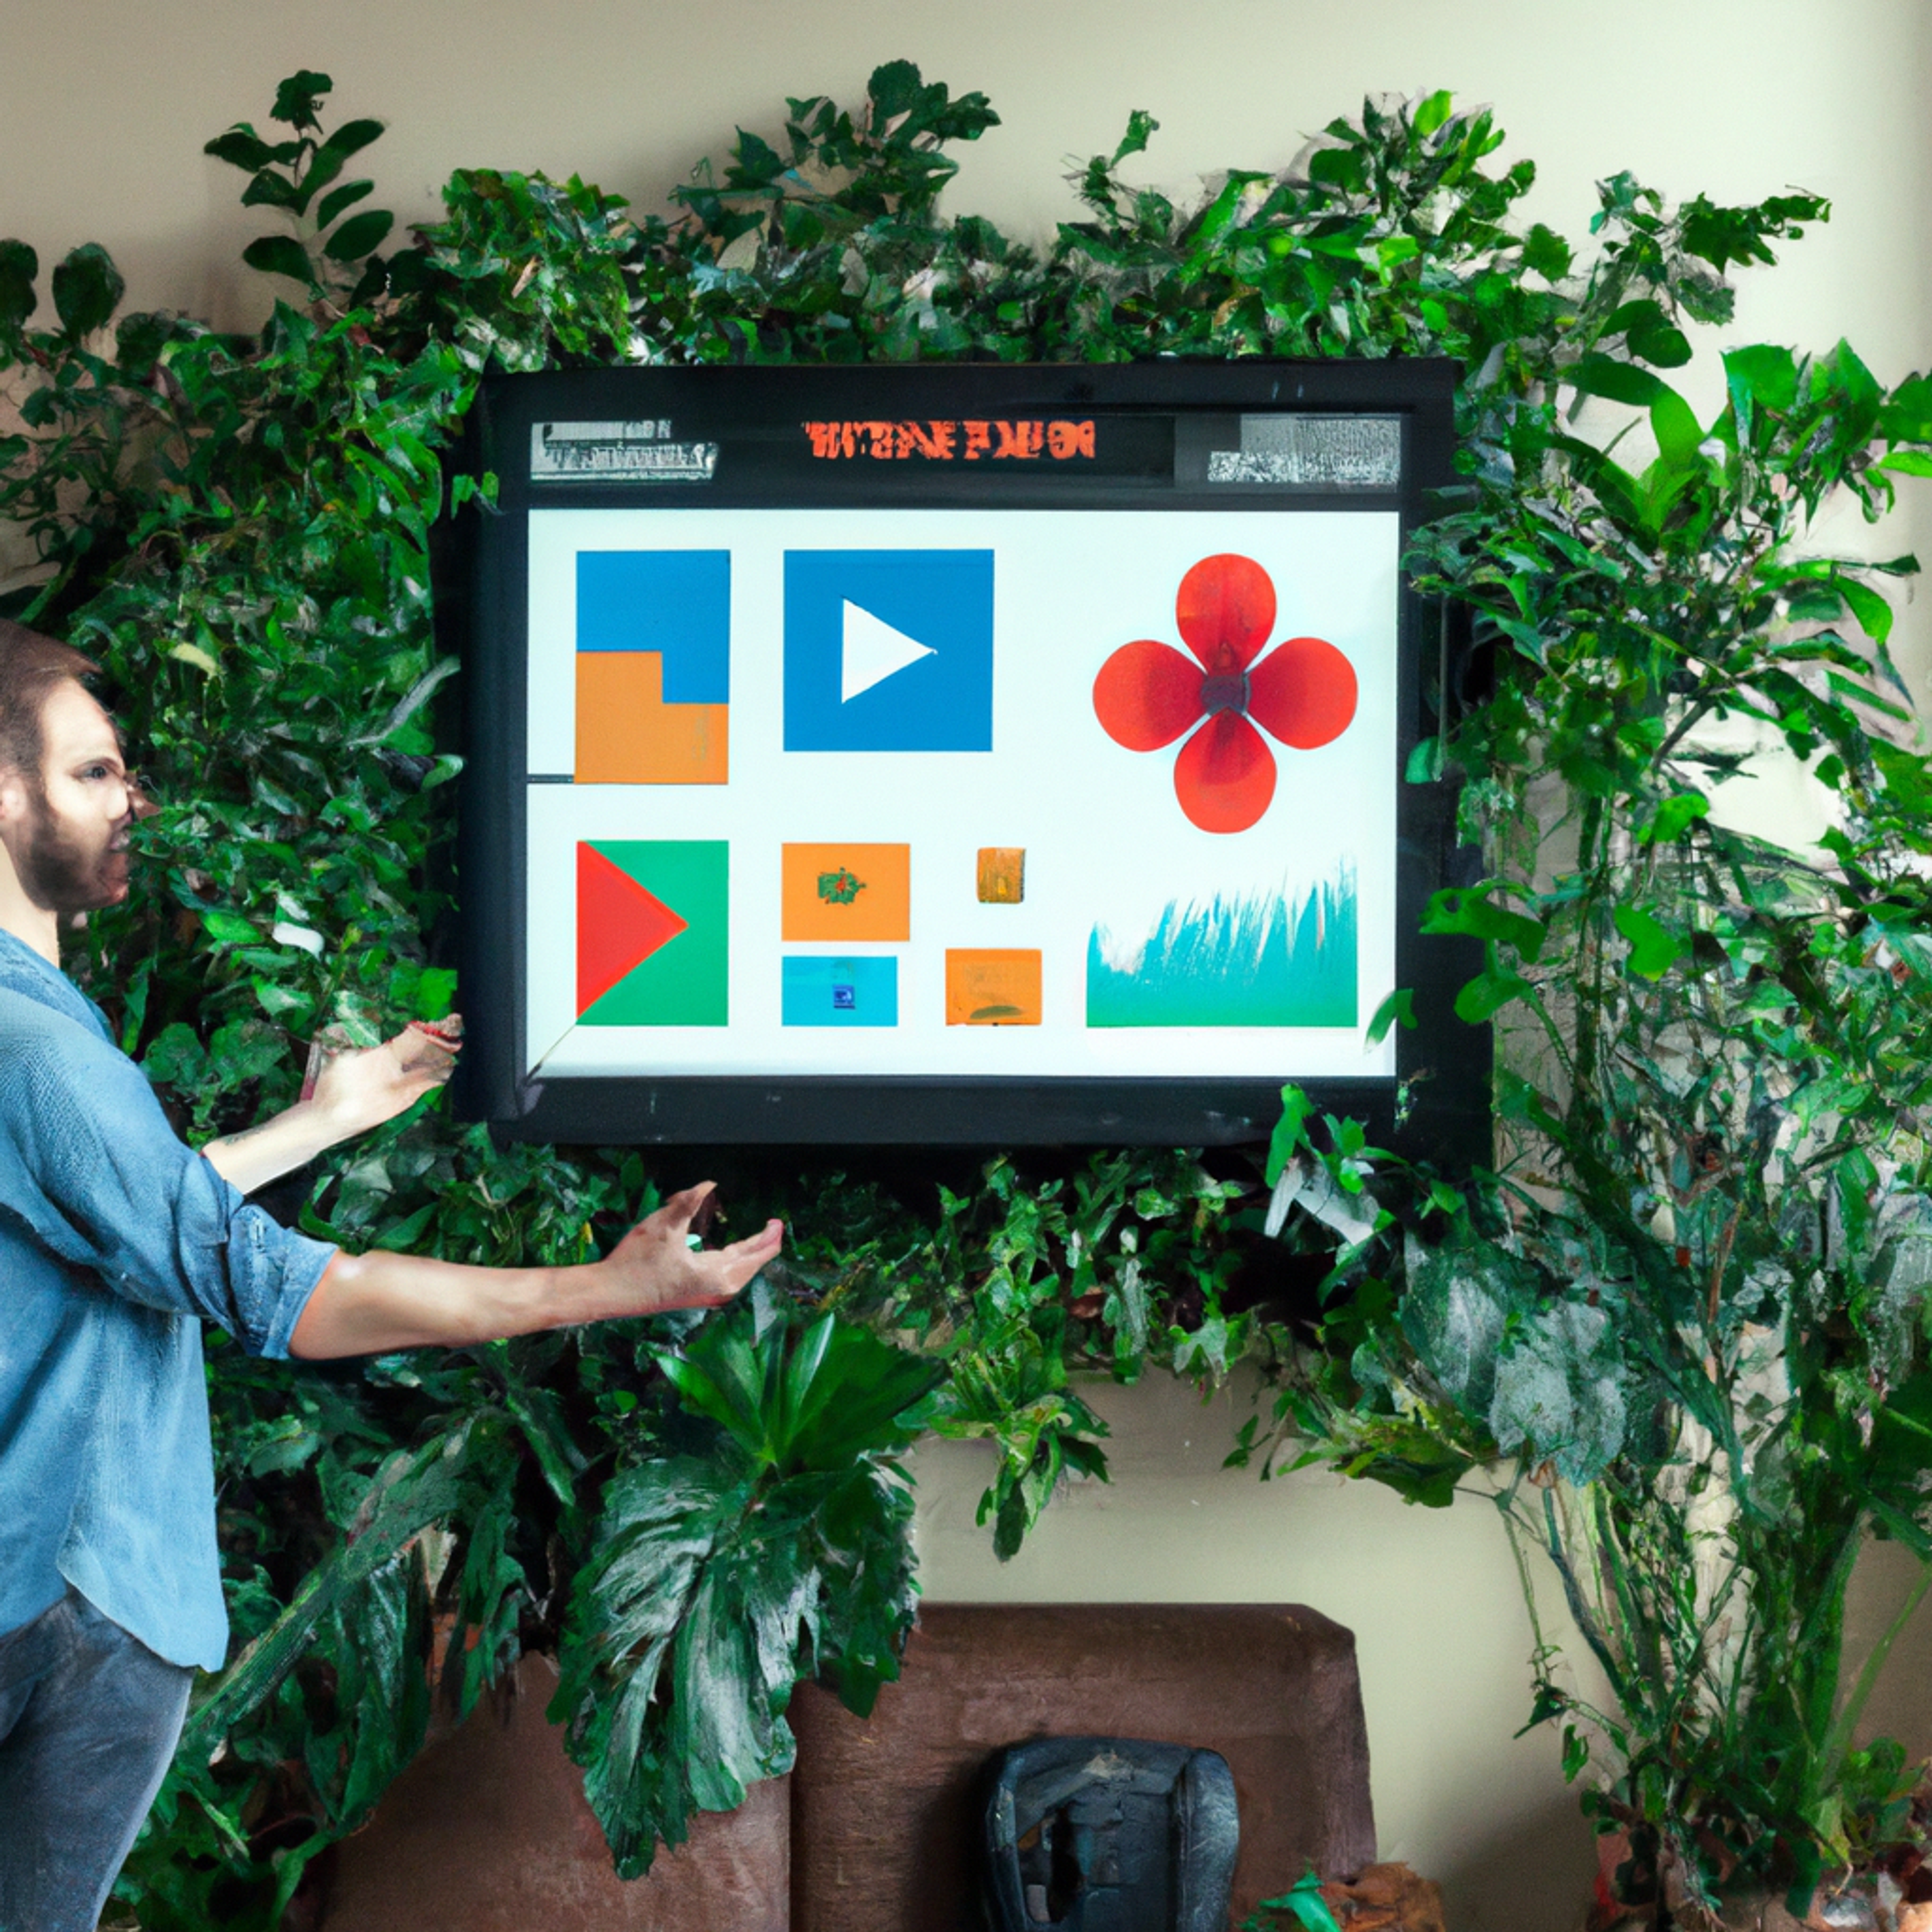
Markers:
<point>627,734</point>
<point>992,987</point>
<point>846,892</point>
<point>1002,874</point>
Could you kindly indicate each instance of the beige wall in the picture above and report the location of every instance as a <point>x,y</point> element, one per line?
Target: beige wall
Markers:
<point>104,105</point>
<point>1442,1636</point>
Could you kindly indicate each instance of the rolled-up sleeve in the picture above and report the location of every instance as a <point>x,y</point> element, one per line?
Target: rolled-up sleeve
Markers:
<point>89,1162</point>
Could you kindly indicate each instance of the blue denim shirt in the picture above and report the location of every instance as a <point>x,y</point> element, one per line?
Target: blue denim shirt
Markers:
<point>116,1244</point>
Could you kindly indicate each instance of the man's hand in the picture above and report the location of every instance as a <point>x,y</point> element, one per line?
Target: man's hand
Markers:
<point>654,1267</point>
<point>351,1093</point>
<point>375,1303</point>
<point>361,1089</point>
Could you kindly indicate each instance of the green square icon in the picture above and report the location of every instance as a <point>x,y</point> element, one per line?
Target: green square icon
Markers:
<point>653,932</point>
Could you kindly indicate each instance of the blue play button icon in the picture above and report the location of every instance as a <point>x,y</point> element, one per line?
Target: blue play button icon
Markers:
<point>889,650</point>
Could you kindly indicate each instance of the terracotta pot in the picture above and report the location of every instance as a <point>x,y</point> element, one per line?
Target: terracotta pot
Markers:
<point>1851,1910</point>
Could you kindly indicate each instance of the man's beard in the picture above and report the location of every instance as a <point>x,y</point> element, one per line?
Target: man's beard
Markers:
<point>59,873</point>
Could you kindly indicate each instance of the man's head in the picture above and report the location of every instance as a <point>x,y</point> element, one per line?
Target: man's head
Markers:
<point>66,798</point>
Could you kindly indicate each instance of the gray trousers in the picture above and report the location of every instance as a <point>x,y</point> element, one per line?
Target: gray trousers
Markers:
<point>89,1717</point>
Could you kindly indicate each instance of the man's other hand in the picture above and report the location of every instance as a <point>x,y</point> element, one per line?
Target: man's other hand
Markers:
<point>654,1267</point>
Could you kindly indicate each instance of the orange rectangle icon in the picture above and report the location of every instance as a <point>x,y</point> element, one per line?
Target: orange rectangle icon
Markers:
<point>627,734</point>
<point>847,893</point>
<point>1002,874</point>
<point>986,987</point>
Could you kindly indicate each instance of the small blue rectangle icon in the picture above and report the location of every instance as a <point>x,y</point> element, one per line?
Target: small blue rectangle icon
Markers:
<point>825,991</point>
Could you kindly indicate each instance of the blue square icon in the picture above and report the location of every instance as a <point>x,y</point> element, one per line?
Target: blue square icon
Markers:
<point>677,601</point>
<point>889,650</point>
<point>816,991</point>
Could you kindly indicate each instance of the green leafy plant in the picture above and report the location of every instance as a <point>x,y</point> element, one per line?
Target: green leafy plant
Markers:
<point>1682,1317</point>
<point>289,175</point>
<point>776,1549</point>
<point>1683,1320</point>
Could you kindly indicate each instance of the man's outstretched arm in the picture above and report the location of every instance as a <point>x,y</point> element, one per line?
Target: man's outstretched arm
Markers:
<point>374,1303</point>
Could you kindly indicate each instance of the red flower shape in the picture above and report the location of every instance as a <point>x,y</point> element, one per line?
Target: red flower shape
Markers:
<point>1303,693</point>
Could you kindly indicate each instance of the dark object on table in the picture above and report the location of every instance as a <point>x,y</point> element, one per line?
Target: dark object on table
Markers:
<point>1109,1834</point>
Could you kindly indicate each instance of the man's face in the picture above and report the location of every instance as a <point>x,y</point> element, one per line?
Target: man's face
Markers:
<point>66,827</point>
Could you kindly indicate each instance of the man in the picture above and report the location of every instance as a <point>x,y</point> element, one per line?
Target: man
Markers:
<point>116,1242</point>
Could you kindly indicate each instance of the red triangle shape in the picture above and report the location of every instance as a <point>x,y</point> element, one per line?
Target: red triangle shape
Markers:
<point>619,926</point>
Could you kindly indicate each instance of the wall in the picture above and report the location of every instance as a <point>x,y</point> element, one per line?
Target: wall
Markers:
<point>104,105</point>
<point>1442,1636</point>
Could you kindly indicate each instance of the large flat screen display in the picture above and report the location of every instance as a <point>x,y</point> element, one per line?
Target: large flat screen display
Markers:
<point>943,754</point>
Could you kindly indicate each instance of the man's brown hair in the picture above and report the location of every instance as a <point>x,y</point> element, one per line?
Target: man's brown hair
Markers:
<point>30,665</point>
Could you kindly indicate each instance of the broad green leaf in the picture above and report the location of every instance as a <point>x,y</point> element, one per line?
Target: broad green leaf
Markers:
<point>1906,415</point>
<point>1471,912</point>
<point>228,928</point>
<point>1844,372</point>
<point>1398,1009</point>
<point>19,268</point>
<point>1664,346</point>
<point>1649,334</point>
<point>281,255</point>
<point>361,235</point>
<point>1654,948</point>
<point>660,1524</point>
<point>1762,376</point>
<point>87,289</point>
<point>1546,252</point>
<point>1433,111</point>
<point>273,190</point>
<point>1678,437</point>
<point>851,1405</point>
<point>242,148</point>
<point>177,1058</point>
<point>351,138</point>
<point>1676,815</point>
<point>298,96</point>
<point>1290,1131</point>
<point>1617,381</point>
<point>1486,995</point>
<point>724,1387</point>
<point>1873,612</point>
<point>339,200</point>
<point>330,158</point>
<point>413,1489</point>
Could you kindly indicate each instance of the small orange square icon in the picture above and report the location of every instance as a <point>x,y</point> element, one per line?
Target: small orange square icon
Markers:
<point>1002,874</point>
<point>989,988</point>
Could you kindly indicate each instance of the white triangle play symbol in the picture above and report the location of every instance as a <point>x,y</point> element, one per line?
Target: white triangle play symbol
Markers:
<point>873,652</point>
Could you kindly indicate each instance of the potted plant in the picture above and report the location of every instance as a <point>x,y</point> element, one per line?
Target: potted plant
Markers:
<point>1677,1334</point>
